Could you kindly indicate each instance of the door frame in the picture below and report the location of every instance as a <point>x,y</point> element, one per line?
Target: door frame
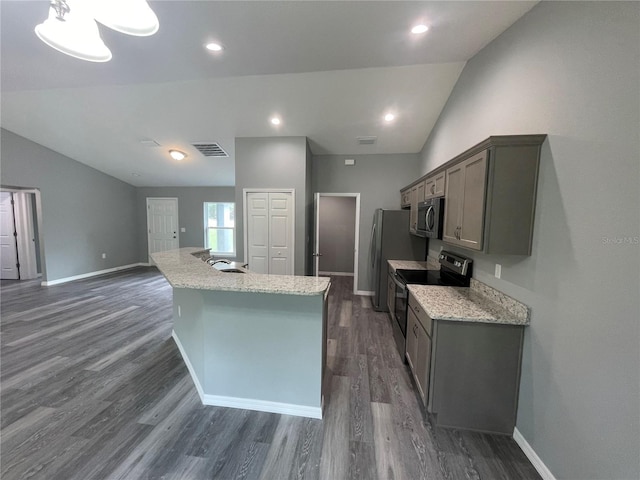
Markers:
<point>149,261</point>
<point>245,229</point>
<point>25,253</point>
<point>356,249</point>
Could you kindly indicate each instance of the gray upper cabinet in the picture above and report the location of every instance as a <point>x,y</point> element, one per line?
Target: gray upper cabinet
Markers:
<point>434,186</point>
<point>405,198</point>
<point>464,205</point>
<point>491,195</point>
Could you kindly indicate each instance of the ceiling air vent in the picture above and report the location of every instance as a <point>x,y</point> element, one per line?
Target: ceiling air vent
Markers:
<point>210,150</point>
<point>366,140</point>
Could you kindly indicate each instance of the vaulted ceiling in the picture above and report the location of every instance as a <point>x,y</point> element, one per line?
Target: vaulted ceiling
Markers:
<point>329,69</point>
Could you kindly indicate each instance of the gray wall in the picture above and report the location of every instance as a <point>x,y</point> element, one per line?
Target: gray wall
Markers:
<point>570,70</point>
<point>378,179</point>
<point>275,162</point>
<point>84,212</point>
<point>190,212</point>
<point>337,233</point>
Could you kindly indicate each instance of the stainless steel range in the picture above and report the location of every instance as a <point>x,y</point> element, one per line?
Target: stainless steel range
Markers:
<point>455,271</point>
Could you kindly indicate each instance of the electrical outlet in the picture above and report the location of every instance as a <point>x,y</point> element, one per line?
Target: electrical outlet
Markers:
<point>104,255</point>
<point>498,270</point>
<point>179,311</point>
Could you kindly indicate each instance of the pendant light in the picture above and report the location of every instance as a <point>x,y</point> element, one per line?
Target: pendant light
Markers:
<point>133,17</point>
<point>71,29</point>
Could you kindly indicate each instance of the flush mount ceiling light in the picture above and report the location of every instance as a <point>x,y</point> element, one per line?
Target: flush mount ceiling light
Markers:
<point>419,29</point>
<point>71,29</point>
<point>133,17</point>
<point>389,117</point>
<point>71,26</point>
<point>275,121</point>
<point>177,154</point>
<point>214,47</point>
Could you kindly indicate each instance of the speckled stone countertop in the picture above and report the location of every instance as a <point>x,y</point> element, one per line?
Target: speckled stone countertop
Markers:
<point>184,268</point>
<point>412,265</point>
<point>469,304</point>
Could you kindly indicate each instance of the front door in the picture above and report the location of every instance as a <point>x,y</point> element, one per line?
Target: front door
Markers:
<point>162,224</point>
<point>8,247</point>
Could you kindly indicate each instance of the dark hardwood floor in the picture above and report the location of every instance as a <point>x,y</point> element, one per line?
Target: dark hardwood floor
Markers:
<point>93,387</point>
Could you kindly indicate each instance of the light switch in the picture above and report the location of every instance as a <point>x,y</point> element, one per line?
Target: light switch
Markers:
<point>182,229</point>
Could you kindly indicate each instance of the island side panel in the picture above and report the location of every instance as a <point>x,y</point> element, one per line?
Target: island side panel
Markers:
<point>188,331</point>
<point>253,350</point>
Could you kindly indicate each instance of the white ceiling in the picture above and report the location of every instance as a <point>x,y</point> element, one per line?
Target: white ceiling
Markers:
<point>330,69</point>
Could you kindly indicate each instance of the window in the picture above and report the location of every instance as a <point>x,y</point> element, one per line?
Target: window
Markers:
<point>220,228</point>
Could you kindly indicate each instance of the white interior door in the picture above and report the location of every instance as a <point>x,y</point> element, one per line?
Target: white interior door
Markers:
<point>8,248</point>
<point>269,231</point>
<point>280,233</point>
<point>258,231</point>
<point>25,240</point>
<point>162,224</point>
<point>316,240</point>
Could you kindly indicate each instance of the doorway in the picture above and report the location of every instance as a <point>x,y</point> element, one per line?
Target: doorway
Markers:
<point>20,233</point>
<point>337,235</point>
<point>269,233</point>
<point>162,225</point>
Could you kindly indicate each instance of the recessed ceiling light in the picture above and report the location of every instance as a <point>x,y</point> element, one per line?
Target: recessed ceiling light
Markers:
<point>214,47</point>
<point>389,117</point>
<point>275,120</point>
<point>419,29</point>
<point>177,154</point>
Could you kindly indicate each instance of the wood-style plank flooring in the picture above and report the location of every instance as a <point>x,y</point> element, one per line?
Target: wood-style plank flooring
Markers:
<point>93,387</point>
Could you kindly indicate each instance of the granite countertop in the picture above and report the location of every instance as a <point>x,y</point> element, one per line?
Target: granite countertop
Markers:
<point>480,303</point>
<point>413,265</point>
<point>184,268</point>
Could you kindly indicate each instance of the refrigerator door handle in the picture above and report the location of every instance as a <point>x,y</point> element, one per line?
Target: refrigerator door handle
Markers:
<point>372,245</point>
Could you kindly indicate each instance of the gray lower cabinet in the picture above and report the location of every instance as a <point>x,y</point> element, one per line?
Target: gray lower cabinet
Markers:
<point>467,373</point>
<point>419,346</point>
<point>391,293</point>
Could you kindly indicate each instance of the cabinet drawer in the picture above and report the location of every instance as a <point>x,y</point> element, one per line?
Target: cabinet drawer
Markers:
<point>423,317</point>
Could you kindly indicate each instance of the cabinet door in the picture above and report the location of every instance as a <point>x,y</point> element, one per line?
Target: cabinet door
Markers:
<point>472,209</point>
<point>438,184</point>
<point>391,295</point>
<point>429,188</point>
<point>412,339</point>
<point>423,363</point>
<point>420,193</point>
<point>453,203</point>
<point>414,209</point>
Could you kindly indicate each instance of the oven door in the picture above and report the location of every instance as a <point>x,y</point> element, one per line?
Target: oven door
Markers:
<point>400,317</point>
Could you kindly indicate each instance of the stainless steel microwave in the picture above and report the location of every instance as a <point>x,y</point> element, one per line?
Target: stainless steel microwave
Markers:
<point>430,218</point>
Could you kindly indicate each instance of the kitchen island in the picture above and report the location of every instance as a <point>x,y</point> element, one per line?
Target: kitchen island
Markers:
<point>249,340</point>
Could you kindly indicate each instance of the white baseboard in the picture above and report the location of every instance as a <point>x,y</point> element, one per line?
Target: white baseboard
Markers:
<point>245,403</point>
<point>365,293</point>
<point>192,371</point>
<point>337,274</point>
<point>263,406</point>
<point>58,281</point>
<point>533,457</point>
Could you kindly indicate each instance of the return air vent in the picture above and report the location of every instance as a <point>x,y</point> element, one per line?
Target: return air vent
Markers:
<point>210,150</point>
<point>366,140</point>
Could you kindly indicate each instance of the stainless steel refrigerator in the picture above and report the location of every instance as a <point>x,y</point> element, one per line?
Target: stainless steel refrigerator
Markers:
<point>390,240</point>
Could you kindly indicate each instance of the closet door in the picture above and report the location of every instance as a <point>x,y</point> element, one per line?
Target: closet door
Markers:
<point>269,223</point>
<point>258,231</point>
<point>280,233</point>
